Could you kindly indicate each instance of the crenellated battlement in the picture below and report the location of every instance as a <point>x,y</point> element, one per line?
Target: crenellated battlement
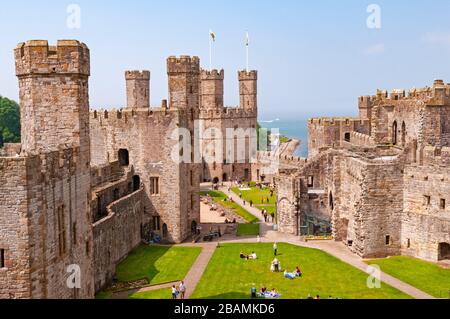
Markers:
<point>437,94</point>
<point>363,140</point>
<point>227,113</point>
<point>439,156</point>
<point>248,75</point>
<point>36,57</point>
<point>333,121</point>
<point>137,75</point>
<point>212,75</point>
<point>127,116</point>
<point>183,64</point>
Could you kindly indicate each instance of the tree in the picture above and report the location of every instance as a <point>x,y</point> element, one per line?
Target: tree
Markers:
<point>9,120</point>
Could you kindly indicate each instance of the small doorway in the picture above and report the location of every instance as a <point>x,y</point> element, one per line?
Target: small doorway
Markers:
<point>165,231</point>
<point>124,157</point>
<point>216,180</point>
<point>444,251</point>
<point>194,227</point>
<point>136,183</point>
<point>225,178</point>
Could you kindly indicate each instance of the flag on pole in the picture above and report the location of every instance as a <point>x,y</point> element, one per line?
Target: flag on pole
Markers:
<point>247,40</point>
<point>213,36</point>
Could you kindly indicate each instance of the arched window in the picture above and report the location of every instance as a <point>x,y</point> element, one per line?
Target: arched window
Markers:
<point>403,134</point>
<point>331,201</point>
<point>394,133</point>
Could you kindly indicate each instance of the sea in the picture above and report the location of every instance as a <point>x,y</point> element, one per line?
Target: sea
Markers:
<point>292,128</point>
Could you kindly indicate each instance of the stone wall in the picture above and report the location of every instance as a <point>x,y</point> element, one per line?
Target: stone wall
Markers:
<point>116,235</point>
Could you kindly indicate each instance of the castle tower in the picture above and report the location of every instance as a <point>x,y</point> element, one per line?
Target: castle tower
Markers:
<point>184,81</point>
<point>54,97</point>
<point>138,89</point>
<point>365,105</point>
<point>248,89</point>
<point>54,103</point>
<point>211,89</point>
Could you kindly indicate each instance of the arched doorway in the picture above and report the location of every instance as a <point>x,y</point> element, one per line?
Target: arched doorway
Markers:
<point>225,177</point>
<point>124,157</point>
<point>194,227</point>
<point>216,180</point>
<point>444,251</point>
<point>403,134</point>
<point>136,183</point>
<point>165,231</point>
<point>347,137</point>
<point>394,133</point>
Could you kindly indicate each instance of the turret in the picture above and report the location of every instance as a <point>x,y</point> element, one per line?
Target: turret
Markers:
<point>211,89</point>
<point>138,89</point>
<point>184,81</point>
<point>365,104</point>
<point>248,89</point>
<point>54,98</point>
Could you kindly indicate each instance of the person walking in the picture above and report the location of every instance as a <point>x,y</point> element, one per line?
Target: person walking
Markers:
<point>251,203</point>
<point>174,292</point>
<point>182,289</point>
<point>275,248</point>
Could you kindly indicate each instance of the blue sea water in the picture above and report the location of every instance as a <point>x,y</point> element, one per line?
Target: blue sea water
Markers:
<point>292,128</point>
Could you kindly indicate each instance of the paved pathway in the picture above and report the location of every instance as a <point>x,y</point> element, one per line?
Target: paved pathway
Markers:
<point>198,268</point>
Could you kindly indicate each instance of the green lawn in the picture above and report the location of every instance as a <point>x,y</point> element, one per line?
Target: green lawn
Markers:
<point>104,295</point>
<point>165,293</point>
<point>159,264</point>
<point>248,230</point>
<point>229,277</point>
<point>219,198</point>
<point>257,195</point>
<point>423,275</point>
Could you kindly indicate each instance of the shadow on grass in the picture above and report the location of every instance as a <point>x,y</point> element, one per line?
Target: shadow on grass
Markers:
<point>229,296</point>
<point>140,263</point>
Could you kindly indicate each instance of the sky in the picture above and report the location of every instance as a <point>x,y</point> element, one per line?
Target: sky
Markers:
<point>314,58</point>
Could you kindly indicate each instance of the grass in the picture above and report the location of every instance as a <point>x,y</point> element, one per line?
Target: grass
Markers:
<point>159,264</point>
<point>256,195</point>
<point>165,293</point>
<point>248,230</point>
<point>423,275</point>
<point>284,139</point>
<point>104,295</point>
<point>229,277</point>
<point>219,198</point>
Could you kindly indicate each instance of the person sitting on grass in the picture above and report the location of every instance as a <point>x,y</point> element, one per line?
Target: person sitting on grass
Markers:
<point>263,290</point>
<point>243,256</point>
<point>253,256</point>
<point>274,293</point>
<point>298,272</point>
<point>289,275</point>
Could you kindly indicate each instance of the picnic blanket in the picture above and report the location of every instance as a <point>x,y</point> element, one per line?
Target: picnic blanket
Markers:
<point>268,295</point>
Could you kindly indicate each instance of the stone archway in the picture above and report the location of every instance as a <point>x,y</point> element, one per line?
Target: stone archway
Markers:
<point>216,180</point>
<point>225,177</point>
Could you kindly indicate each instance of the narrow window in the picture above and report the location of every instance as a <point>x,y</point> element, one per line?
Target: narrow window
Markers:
<point>388,240</point>
<point>427,200</point>
<point>442,204</point>
<point>192,178</point>
<point>192,202</point>
<point>409,243</point>
<point>310,181</point>
<point>88,250</point>
<point>154,185</point>
<point>2,258</point>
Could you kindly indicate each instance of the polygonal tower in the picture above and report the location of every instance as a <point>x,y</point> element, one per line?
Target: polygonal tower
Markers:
<point>248,89</point>
<point>138,89</point>
<point>211,89</point>
<point>184,81</point>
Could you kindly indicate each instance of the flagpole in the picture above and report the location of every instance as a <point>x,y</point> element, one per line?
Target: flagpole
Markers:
<point>247,51</point>
<point>210,51</point>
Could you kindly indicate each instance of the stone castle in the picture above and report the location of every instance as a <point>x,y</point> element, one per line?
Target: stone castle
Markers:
<point>86,187</point>
<point>380,182</point>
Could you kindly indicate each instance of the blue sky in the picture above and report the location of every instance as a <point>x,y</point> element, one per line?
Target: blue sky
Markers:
<point>314,57</point>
